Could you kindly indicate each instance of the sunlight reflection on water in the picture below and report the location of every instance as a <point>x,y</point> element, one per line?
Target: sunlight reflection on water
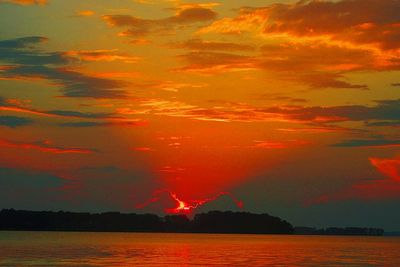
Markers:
<point>139,249</point>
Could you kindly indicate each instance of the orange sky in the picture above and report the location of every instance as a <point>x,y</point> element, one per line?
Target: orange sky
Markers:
<point>291,107</point>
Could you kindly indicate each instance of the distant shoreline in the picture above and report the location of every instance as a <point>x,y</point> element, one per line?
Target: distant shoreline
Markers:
<point>213,222</point>
<point>385,234</point>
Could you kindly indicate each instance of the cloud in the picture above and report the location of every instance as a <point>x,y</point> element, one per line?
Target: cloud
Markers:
<point>201,45</point>
<point>388,167</point>
<point>315,64</point>
<point>381,110</point>
<point>278,97</point>
<point>357,22</point>
<point>78,114</point>
<point>208,62</point>
<point>327,80</point>
<point>106,119</point>
<point>25,2</point>
<point>26,62</point>
<point>318,129</point>
<point>74,84</point>
<point>368,143</point>
<point>101,55</point>
<point>6,105</point>
<point>384,124</point>
<point>85,13</point>
<point>128,123</point>
<point>143,149</point>
<point>13,121</point>
<point>279,144</point>
<point>45,146</point>
<point>184,15</point>
<point>375,189</point>
<point>303,45</point>
<point>23,42</point>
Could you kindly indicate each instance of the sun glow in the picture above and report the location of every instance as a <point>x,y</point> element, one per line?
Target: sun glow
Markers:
<point>187,206</point>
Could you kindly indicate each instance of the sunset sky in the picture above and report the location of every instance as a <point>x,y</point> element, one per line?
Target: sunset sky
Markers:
<point>286,107</point>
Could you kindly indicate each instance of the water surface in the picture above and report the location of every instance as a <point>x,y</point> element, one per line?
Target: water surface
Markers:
<point>140,249</point>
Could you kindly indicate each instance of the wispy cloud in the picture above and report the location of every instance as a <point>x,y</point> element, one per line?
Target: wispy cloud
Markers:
<point>25,2</point>
<point>5,105</point>
<point>46,146</point>
<point>381,111</point>
<point>201,45</point>
<point>279,144</point>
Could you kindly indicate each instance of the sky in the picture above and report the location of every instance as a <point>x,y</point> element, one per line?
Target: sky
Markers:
<point>284,107</point>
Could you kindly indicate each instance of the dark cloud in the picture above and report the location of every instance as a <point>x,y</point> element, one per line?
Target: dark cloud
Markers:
<point>26,62</point>
<point>382,110</point>
<point>368,143</point>
<point>78,114</point>
<point>328,80</point>
<point>75,84</point>
<point>357,21</point>
<point>396,84</point>
<point>29,189</point>
<point>12,107</point>
<point>22,51</point>
<point>23,42</point>
<point>384,124</point>
<point>30,179</point>
<point>103,123</point>
<point>13,121</point>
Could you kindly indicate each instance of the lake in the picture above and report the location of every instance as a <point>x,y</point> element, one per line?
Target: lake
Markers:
<point>142,249</point>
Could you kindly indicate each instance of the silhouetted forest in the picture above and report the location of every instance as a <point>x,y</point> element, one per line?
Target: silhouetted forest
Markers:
<point>211,222</point>
<point>339,231</point>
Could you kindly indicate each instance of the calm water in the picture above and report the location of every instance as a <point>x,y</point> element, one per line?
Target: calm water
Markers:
<point>131,249</point>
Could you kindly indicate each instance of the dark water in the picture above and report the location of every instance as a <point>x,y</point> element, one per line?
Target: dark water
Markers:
<point>132,249</point>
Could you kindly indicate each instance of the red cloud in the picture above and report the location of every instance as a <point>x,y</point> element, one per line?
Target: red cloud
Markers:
<point>143,149</point>
<point>388,167</point>
<point>370,189</point>
<point>279,144</point>
<point>45,147</point>
<point>25,2</point>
